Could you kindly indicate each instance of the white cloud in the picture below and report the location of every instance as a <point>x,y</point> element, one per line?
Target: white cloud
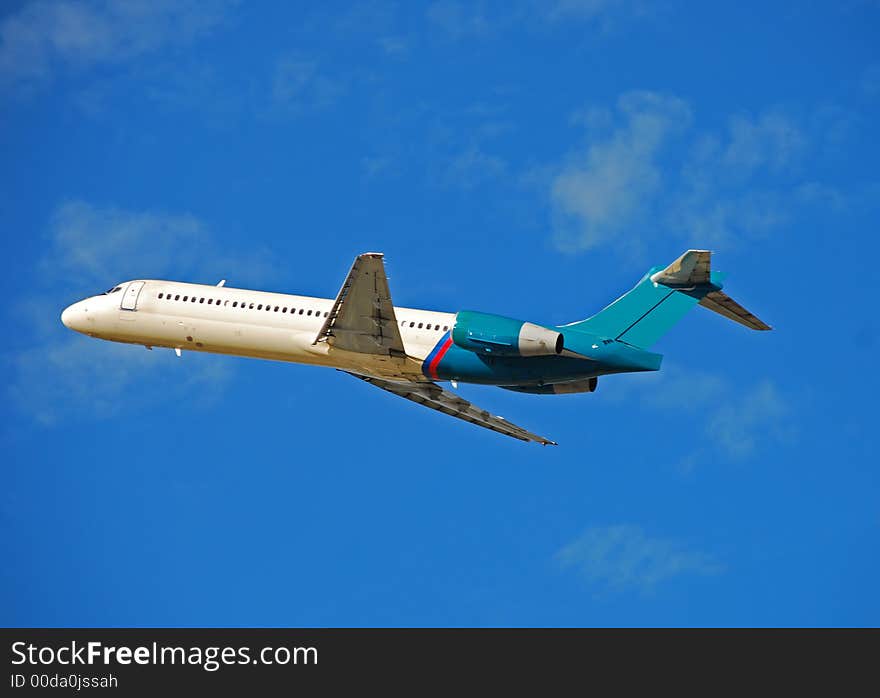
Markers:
<point>580,9</point>
<point>599,194</point>
<point>604,13</point>
<point>395,46</point>
<point>475,20</point>
<point>770,140</point>
<point>459,20</point>
<point>870,81</point>
<point>738,426</point>
<point>473,167</point>
<point>623,557</point>
<point>299,84</point>
<point>77,377</point>
<point>62,375</point>
<point>630,185</point>
<point>45,35</point>
<point>101,245</point>
<point>717,420</point>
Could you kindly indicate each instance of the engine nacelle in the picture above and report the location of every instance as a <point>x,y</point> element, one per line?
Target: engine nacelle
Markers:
<point>502,336</point>
<point>587,385</point>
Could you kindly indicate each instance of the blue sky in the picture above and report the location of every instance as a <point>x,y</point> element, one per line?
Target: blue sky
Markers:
<point>531,159</point>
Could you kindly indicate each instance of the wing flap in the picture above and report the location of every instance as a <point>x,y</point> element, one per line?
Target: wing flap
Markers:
<point>433,396</point>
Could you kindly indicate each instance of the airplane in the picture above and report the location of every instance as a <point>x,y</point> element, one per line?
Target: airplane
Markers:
<point>405,351</point>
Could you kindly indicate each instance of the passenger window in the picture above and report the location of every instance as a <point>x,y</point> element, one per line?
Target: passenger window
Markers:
<point>326,313</point>
<point>234,304</point>
<point>284,309</point>
<point>185,297</point>
<point>251,306</point>
<point>177,297</point>
<point>420,325</point>
<point>412,324</point>
<point>260,306</point>
<point>300,311</point>
<point>445,328</point>
<point>309,312</point>
<point>160,295</point>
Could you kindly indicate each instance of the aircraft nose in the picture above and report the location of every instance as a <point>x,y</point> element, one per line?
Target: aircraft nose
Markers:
<point>73,317</point>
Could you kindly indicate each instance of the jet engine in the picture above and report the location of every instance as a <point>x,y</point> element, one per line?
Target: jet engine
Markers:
<point>587,385</point>
<point>502,336</point>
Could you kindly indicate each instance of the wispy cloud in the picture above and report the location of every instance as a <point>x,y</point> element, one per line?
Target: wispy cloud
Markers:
<point>80,378</point>
<point>647,172</point>
<point>300,84</point>
<point>769,140</point>
<point>456,148</point>
<point>58,374</point>
<point>91,244</point>
<point>732,422</point>
<point>738,426</point>
<point>870,80</point>
<point>623,558</point>
<point>475,20</point>
<point>394,46</point>
<point>44,36</point>
<point>459,20</point>
<point>473,167</point>
<point>604,13</point>
<point>598,194</point>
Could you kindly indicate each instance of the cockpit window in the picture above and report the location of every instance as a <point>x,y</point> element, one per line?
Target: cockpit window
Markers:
<point>112,290</point>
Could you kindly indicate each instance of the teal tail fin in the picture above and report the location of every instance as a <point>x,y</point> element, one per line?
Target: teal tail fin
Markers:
<point>662,297</point>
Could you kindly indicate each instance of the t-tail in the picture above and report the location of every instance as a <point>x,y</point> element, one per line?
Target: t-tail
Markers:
<point>662,297</point>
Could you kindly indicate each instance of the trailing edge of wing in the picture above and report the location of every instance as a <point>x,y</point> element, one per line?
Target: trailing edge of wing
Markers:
<point>362,318</point>
<point>433,396</point>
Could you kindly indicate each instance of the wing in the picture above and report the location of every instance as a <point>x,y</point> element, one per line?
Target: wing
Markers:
<point>362,318</point>
<point>433,396</point>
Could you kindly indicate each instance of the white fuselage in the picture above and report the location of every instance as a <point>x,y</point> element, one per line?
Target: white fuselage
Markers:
<point>221,320</point>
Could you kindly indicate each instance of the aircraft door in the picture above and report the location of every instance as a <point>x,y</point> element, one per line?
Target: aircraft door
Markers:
<point>130,295</point>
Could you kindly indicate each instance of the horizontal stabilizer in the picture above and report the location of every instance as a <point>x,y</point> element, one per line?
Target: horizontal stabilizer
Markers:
<point>692,269</point>
<point>719,302</point>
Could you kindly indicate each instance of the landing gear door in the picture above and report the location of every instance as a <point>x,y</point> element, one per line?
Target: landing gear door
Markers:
<point>130,295</point>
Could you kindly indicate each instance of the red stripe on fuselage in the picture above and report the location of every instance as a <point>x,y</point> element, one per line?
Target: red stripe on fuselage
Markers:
<point>432,367</point>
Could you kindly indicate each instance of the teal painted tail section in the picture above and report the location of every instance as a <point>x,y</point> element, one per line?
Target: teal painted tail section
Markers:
<point>661,298</point>
<point>641,316</point>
